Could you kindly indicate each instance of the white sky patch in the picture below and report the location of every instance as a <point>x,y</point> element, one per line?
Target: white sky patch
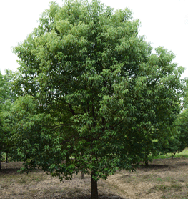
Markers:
<point>163,22</point>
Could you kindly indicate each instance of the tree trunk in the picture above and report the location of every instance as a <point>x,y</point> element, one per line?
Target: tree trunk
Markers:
<point>67,163</point>
<point>146,159</point>
<point>6,157</point>
<point>82,173</point>
<point>146,163</point>
<point>173,155</point>
<point>94,191</point>
<point>67,159</point>
<point>0,160</point>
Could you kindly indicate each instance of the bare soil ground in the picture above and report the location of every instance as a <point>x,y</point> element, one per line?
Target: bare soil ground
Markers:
<point>165,178</point>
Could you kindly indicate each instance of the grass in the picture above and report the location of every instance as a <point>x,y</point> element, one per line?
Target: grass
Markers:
<point>183,154</point>
<point>166,188</point>
<point>159,179</point>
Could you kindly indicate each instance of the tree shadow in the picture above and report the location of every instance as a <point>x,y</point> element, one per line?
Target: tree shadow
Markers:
<point>14,171</point>
<point>88,197</point>
<point>10,171</point>
<point>154,167</point>
<point>12,168</point>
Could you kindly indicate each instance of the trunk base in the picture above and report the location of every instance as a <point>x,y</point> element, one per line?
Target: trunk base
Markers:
<point>82,175</point>
<point>94,191</point>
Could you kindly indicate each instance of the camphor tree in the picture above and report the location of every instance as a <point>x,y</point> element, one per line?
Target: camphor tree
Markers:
<point>7,96</point>
<point>163,90</point>
<point>2,99</point>
<point>182,124</point>
<point>97,89</point>
<point>178,140</point>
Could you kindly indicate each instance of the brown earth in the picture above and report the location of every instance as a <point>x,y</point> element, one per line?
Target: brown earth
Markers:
<point>165,178</point>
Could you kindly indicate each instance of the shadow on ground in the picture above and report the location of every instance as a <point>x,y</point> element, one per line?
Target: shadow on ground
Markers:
<point>154,167</point>
<point>38,185</point>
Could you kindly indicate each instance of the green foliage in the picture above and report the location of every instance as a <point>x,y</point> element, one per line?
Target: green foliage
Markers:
<point>182,123</point>
<point>171,143</point>
<point>7,96</point>
<point>90,85</point>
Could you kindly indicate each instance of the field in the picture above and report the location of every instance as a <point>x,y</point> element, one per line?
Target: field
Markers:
<point>163,178</point>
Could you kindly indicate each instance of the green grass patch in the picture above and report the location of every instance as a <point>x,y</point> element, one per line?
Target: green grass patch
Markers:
<point>184,154</point>
<point>159,179</point>
<point>166,188</point>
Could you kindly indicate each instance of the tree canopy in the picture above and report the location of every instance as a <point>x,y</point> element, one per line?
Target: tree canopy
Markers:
<point>92,87</point>
<point>7,96</point>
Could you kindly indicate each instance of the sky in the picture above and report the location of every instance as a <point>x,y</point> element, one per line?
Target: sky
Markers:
<point>163,23</point>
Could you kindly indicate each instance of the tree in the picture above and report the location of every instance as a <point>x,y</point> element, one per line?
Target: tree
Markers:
<point>179,139</point>
<point>182,122</point>
<point>97,91</point>
<point>7,96</point>
<point>2,96</point>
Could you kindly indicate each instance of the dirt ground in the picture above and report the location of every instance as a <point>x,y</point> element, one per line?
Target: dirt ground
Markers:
<point>165,178</point>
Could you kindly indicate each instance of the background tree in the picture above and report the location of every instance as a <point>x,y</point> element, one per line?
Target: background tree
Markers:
<point>182,124</point>
<point>2,97</point>
<point>163,89</point>
<point>97,89</point>
<point>179,139</point>
<point>7,96</point>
